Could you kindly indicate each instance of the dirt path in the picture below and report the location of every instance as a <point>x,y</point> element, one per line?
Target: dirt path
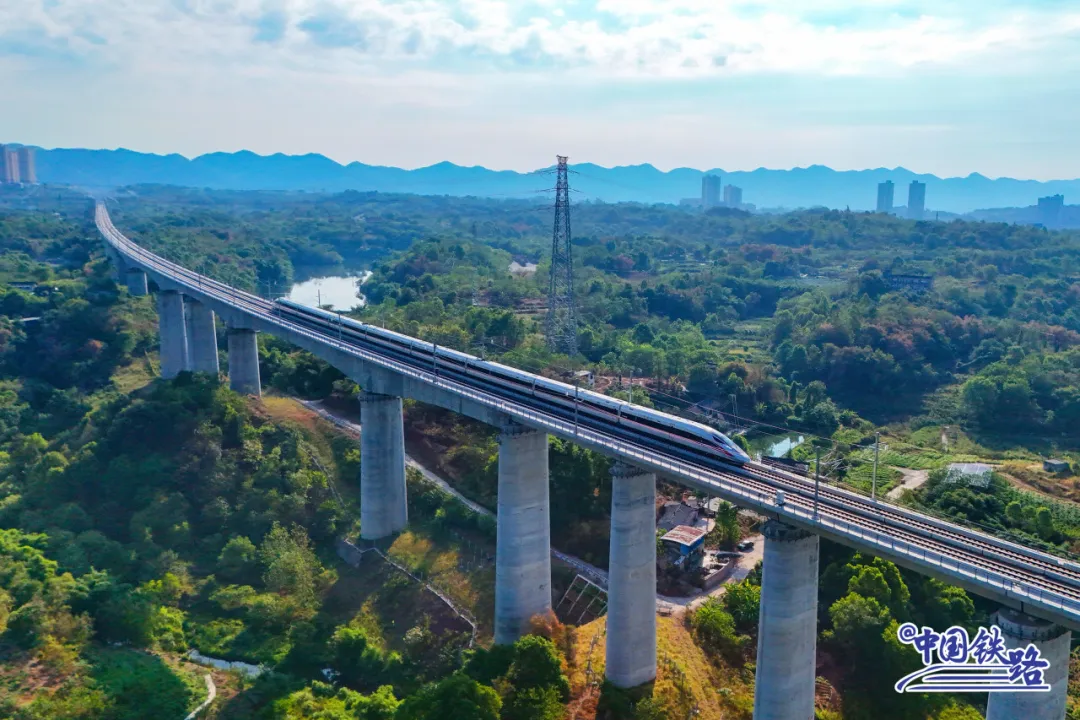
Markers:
<point>211,693</point>
<point>912,479</point>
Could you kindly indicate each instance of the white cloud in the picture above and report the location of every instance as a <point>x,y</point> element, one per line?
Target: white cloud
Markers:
<point>943,85</point>
<point>605,38</point>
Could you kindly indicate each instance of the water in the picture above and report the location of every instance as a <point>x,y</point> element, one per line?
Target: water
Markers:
<point>340,292</point>
<point>777,445</point>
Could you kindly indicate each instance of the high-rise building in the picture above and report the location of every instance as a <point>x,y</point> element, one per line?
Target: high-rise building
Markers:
<point>710,190</point>
<point>733,196</point>
<point>27,169</point>
<point>885,193</point>
<point>9,164</point>
<point>916,200</point>
<point>1050,208</point>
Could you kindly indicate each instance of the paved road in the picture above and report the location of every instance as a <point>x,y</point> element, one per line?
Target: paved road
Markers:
<point>744,565</point>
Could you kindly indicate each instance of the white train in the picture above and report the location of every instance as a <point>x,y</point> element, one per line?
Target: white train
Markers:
<point>687,433</point>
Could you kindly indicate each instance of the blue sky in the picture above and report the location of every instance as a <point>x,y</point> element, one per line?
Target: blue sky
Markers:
<point>944,86</point>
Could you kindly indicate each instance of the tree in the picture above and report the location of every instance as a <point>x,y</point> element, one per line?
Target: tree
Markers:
<point>536,703</point>
<point>458,696</point>
<point>942,605</point>
<point>743,601</point>
<point>715,629</point>
<point>783,326</point>
<point>537,664</point>
<point>815,393</point>
<point>358,660</point>
<point>324,702</point>
<point>72,702</point>
<point>872,284</point>
<point>487,664</point>
<point>727,524</point>
<point>980,398</point>
<point>960,712</point>
<point>870,583</point>
<point>238,559</point>
<point>1044,523</point>
<point>651,708</point>
<point>26,626</point>
<point>824,417</point>
<point>291,565</point>
<point>858,621</point>
<point>702,380</point>
<point>643,334</point>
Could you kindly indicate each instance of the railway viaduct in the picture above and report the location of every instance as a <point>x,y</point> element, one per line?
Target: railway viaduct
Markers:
<point>1040,593</point>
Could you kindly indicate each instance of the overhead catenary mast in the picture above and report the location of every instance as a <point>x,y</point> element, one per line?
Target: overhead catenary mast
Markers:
<point>561,325</point>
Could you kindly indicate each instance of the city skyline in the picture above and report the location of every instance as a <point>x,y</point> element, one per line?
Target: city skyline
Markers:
<point>948,88</point>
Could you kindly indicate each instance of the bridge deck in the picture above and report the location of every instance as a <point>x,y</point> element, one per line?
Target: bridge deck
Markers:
<point>1038,583</point>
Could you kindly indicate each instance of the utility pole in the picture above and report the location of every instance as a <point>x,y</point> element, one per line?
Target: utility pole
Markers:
<point>577,404</point>
<point>817,477</point>
<point>631,400</point>
<point>877,442</point>
<point>561,325</point>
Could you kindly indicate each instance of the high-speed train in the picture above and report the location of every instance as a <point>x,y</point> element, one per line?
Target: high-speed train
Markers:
<point>689,434</point>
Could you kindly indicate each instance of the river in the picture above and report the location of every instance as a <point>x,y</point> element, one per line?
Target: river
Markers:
<point>340,292</point>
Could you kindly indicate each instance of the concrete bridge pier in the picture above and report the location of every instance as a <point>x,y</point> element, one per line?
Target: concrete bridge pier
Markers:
<point>173,333</point>
<point>116,261</point>
<point>631,614</point>
<point>136,282</point>
<point>787,628</point>
<point>189,331</point>
<point>202,338</point>
<point>523,549</point>
<point>383,499</point>
<point>244,361</point>
<point>1053,641</point>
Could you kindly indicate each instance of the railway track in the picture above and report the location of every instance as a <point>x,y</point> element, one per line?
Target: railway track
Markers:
<point>1005,567</point>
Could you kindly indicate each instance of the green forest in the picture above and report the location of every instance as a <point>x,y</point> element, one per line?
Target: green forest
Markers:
<point>142,519</point>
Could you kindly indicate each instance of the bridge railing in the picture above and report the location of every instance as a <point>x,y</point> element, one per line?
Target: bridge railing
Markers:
<point>735,491</point>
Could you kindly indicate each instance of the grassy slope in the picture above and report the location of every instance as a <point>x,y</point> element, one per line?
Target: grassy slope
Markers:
<point>459,565</point>
<point>686,678</point>
<point>138,683</point>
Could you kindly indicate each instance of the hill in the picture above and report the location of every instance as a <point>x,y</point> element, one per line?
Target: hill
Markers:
<point>766,188</point>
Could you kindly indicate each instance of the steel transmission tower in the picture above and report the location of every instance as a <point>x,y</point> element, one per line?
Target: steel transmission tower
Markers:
<point>561,327</point>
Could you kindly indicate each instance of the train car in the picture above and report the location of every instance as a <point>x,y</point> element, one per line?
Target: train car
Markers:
<point>711,436</point>
<point>287,308</point>
<point>681,430</point>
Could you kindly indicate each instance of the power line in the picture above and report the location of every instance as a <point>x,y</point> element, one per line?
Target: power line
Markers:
<point>561,325</point>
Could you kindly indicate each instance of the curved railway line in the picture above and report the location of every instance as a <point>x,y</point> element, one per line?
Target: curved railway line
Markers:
<point>1037,582</point>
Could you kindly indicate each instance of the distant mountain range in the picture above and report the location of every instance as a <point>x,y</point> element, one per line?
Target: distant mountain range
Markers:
<point>801,187</point>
